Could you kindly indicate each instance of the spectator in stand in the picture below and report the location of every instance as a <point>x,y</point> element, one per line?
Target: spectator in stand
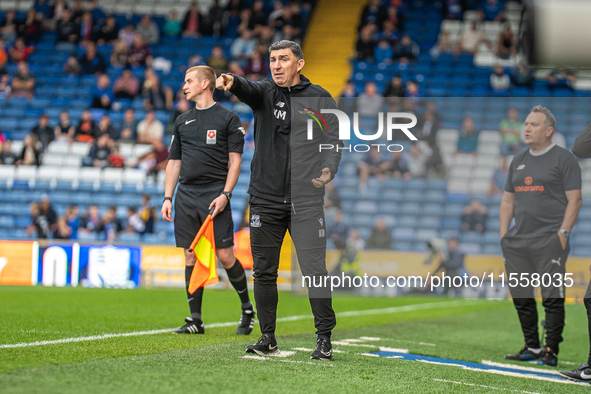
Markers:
<point>383,53</point>
<point>109,230</point>
<point>102,94</point>
<point>235,69</point>
<point>64,130</point>
<point>156,96</point>
<point>493,10</point>
<point>395,87</point>
<point>90,222</point>
<point>370,102</point>
<point>468,140</point>
<point>105,126</point>
<point>217,60</point>
<point>58,8</point>
<point>499,178</point>
<point>430,123</point>
<point>62,230</point>
<point>9,27</point>
<point>147,213</point>
<point>172,25</point>
<point>182,106</point>
<point>499,80</point>
<point>30,155</point>
<point>506,44</point>
<point>453,9</point>
<point>127,35</point>
<point>366,43</point>
<point>72,220</point>
<point>511,129</point>
<point>92,62</point>
<point>259,16</point>
<point>42,131</point>
<point>244,46</point>
<point>406,50</point>
<point>394,16</point>
<point>380,237</point>
<point>42,7</point>
<point>372,165</point>
<point>149,129</point>
<point>289,33</point>
<point>135,224</point>
<point>412,89</point>
<point>77,11</point>
<point>347,102</point>
<point>396,167</point>
<point>215,19</point>
<point>337,232</point>
<point>20,52</point>
<point>120,55</point>
<point>561,77</point>
<point>522,76</point>
<point>257,67</point>
<point>126,85</point>
<point>67,32</point>
<point>373,13</point>
<point>98,15</point>
<point>127,129</point>
<point>471,39</point>
<point>43,218</point>
<point>112,211</point>
<point>3,56</point>
<point>148,29</point>
<point>116,159</point>
<point>153,161</point>
<point>416,162</point>
<point>72,66</point>
<point>5,88</point>
<point>99,152</point>
<point>109,32</point>
<point>32,28</point>
<point>192,25</point>
<point>474,216</point>
<point>389,33</point>
<point>6,155</point>
<point>88,29</point>
<point>332,200</point>
<point>86,131</point>
<point>23,83</point>
<point>139,53</point>
<point>445,45</point>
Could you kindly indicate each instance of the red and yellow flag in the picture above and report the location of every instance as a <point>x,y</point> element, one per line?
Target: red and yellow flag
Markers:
<point>205,271</point>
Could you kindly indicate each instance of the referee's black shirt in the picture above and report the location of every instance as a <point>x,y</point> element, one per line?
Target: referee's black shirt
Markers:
<point>202,140</point>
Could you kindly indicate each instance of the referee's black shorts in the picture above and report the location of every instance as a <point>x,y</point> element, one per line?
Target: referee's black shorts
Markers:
<point>192,207</point>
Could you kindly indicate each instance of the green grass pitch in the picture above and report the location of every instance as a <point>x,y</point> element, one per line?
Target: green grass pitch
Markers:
<point>470,330</point>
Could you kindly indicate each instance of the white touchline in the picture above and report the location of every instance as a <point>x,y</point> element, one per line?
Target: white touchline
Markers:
<point>261,358</point>
<point>522,368</point>
<point>396,309</point>
<point>488,387</point>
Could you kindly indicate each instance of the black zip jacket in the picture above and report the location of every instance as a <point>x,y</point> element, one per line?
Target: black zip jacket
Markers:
<point>285,161</point>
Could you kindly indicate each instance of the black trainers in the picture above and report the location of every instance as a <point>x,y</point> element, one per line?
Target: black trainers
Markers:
<point>246,322</point>
<point>264,346</point>
<point>548,358</point>
<point>525,354</point>
<point>192,327</point>
<point>583,373</point>
<point>323,350</point>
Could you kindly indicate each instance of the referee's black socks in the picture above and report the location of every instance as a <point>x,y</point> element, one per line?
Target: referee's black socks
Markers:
<point>237,277</point>
<point>194,299</point>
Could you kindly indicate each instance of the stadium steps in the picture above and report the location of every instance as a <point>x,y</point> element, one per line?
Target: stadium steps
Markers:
<point>330,42</point>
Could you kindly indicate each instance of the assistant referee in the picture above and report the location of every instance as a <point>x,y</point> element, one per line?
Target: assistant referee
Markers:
<point>543,194</point>
<point>206,152</point>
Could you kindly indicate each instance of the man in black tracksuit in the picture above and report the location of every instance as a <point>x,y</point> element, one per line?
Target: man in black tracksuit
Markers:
<point>582,149</point>
<point>288,174</point>
<point>543,194</point>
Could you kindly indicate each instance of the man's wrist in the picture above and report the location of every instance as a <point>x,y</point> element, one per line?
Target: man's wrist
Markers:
<point>227,194</point>
<point>564,232</point>
<point>167,199</point>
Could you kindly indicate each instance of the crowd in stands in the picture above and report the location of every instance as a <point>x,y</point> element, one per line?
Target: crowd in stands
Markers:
<point>85,30</point>
<point>45,223</point>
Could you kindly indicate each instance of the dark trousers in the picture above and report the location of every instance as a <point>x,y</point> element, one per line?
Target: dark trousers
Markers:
<point>305,222</point>
<point>543,256</point>
<point>587,301</point>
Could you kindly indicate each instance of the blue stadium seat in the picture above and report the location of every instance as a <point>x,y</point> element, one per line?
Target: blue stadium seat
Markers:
<point>403,233</point>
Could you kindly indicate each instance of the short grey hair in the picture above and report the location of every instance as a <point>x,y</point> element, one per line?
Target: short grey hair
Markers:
<point>296,49</point>
<point>550,120</point>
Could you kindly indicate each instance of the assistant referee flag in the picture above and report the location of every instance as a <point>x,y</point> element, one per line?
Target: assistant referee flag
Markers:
<point>205,271</point>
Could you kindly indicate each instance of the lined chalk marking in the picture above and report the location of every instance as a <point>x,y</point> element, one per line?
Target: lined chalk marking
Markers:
<point>484,386</point>
<point>503,369</point>
<point>370,339</point>
<point>396,309</point>
<point>303,349</point>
